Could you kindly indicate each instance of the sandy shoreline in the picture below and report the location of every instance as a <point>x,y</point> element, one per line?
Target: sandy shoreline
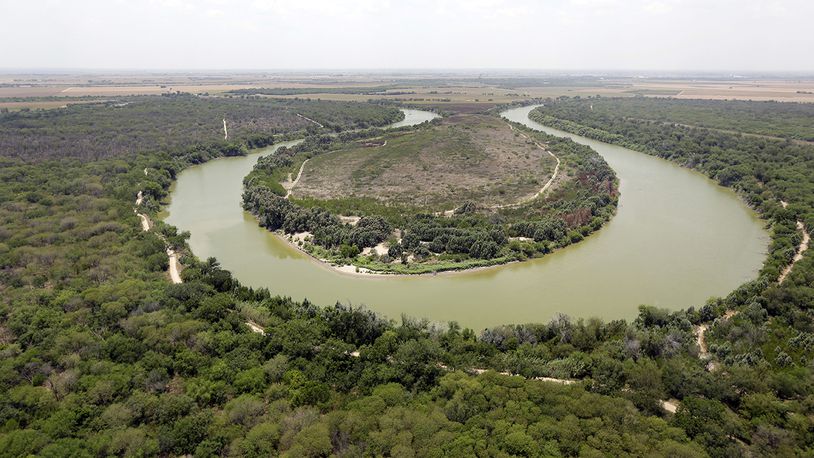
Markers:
<point>350,269</point>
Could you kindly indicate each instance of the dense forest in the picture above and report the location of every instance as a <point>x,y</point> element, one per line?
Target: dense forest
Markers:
<point>103,356</point>
<point>773,119</point>
<point>420,241</point>
<point>174,122</point>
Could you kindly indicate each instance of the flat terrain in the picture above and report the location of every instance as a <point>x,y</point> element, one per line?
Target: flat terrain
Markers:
<point>467,157</point>
<point>414,88</point>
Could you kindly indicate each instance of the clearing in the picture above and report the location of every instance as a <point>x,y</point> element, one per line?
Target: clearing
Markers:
<point>474,158</point>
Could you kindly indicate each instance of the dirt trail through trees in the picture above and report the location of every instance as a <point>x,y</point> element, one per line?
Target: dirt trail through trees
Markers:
<point>225,132</point>
<point>289,186</point>
<point>800,250</point>
<point>700,334</point>
<point>146,224</point>
<point>309,119</point>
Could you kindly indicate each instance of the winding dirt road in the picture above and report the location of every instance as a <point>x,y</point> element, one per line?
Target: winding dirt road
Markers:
<point>225,132</point>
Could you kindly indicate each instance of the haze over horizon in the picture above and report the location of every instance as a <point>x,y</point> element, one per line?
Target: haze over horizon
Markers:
<point>614,35</point>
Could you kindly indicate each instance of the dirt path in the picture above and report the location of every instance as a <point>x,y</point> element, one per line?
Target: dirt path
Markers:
<point>255,327</point>
<point>542,190</point>
<point>289,186</point>
<point>450,213</point>
<point>700,331</point>
<point>800,250</point>
<point>799,254</point>
<point>670,405</point>
<point>309,119</point>
<point>175,276</point>
<point>146,224</point>
<point>700,335</point>
<point>225,132</point>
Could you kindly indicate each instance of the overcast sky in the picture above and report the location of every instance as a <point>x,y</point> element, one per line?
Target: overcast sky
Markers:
<point>682,35</point>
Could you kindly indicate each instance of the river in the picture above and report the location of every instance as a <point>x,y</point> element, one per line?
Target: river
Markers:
<point>677,239</point>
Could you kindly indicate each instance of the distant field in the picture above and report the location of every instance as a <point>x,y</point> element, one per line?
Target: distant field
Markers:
<point>414,89</point>
<point>466,157</point>
<point>41,105</point>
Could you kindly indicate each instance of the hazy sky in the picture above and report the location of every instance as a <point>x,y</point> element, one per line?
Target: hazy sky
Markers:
<point>689,35</point>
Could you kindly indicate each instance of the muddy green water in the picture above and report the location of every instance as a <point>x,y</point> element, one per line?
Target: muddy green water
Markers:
<point>677,239</point>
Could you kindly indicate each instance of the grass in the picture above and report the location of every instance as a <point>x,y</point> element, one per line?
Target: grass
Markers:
<point>465,158</point>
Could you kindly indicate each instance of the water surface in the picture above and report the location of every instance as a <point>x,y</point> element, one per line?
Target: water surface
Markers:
<point>677,239</point>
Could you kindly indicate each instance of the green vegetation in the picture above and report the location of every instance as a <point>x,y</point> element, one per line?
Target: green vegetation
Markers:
<point>772,333</point>
<point>434,198</point>
<point>102,356</point>
<point>774,119</point>
<point>174,122</point>
<point>764,171</point>
<point>460,158</point>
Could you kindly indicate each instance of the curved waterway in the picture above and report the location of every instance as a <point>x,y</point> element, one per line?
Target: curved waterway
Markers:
<point>677,239</point>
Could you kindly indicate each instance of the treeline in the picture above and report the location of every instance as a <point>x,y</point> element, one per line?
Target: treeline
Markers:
<point>762,170</point>
<point>770,118</point>
<point>173,122</point>
<point>571,212</point>
<point>103,356</point>
<point>772,332</point>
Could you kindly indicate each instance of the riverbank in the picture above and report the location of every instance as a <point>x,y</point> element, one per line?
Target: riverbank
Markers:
<point>520,167</point>
<point>358,271</point>
<point>672,225</point>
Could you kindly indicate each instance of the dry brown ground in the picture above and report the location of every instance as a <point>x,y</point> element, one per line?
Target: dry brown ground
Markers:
<point>451,92</point>
<point>45,105</point>
<point>467,157</point>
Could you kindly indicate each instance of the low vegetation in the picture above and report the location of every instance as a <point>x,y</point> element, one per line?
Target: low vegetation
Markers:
<point>474,158</point>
